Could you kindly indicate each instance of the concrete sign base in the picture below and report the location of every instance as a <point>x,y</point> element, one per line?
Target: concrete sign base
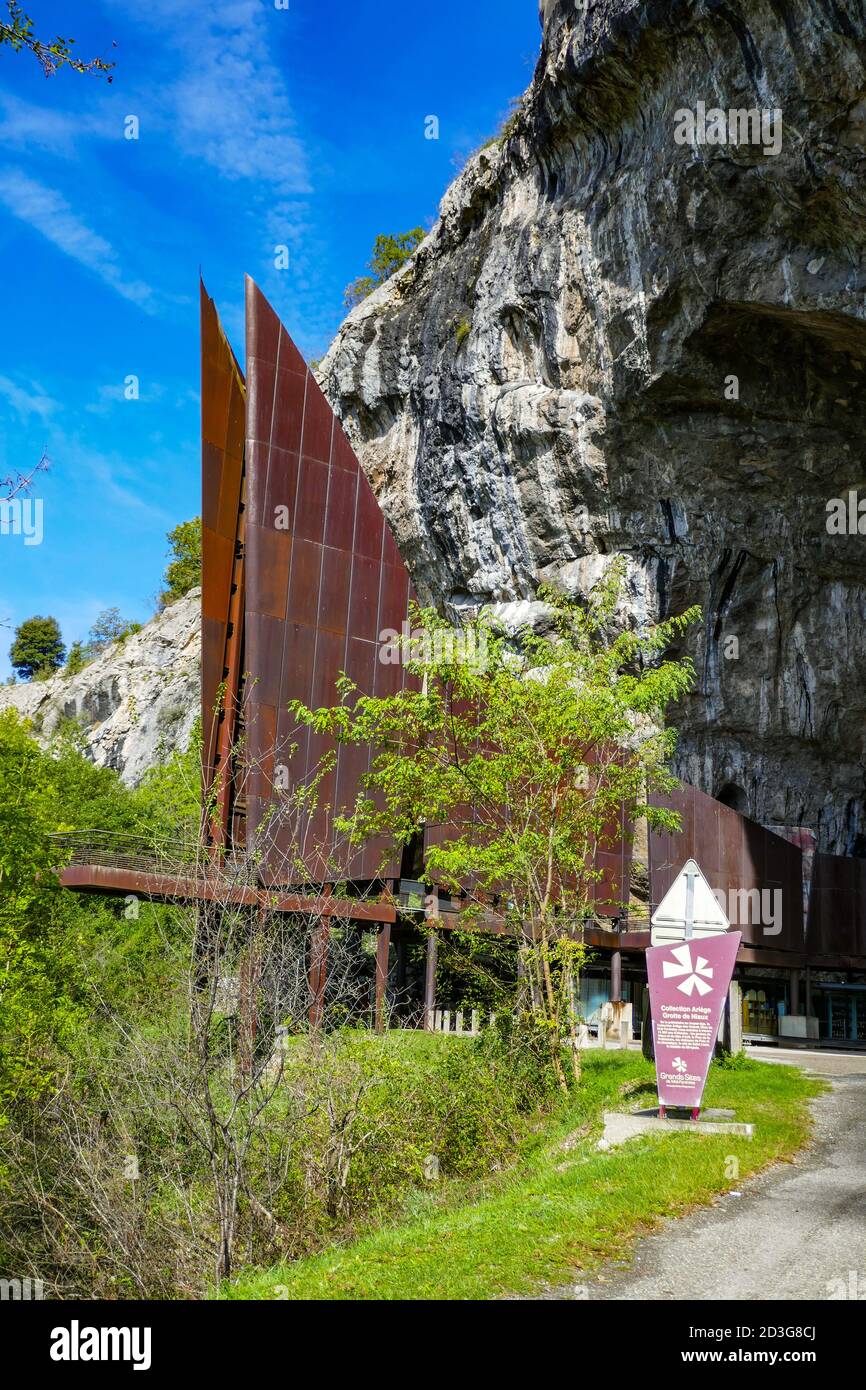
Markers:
<point>618,1127</point>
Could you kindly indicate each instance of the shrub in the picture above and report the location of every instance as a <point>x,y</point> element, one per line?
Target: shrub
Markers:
<point>390,253</point>
<point>109,1195</point>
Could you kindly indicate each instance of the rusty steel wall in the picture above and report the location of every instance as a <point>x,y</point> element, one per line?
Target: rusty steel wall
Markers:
<point>734,853</point>
<point>222,481</point>
<point>323,578</point>
<point>613,858</point>
<point>837,910</point>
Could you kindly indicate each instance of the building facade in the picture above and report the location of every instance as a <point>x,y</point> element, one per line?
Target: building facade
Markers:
<point>301,580</point>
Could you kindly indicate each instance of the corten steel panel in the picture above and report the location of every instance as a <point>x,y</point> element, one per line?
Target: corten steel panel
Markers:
<point>613,857</point>
<point>222,415</point>
<point>837,909</point>
<point>268,565</point>
<point>314,600</point>
<point>334,591</point>
<point>312,500</point>
<point>736,855</point>
<point>280,488</point>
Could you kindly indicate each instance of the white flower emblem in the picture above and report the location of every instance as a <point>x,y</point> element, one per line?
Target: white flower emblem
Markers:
<point>682,965</point>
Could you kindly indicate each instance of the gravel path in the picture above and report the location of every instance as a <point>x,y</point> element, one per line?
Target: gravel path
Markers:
<point>794,1231</point>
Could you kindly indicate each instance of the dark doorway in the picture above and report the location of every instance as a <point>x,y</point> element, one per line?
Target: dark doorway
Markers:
<point>734,796</point>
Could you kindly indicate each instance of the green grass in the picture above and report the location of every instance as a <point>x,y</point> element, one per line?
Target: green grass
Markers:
<point>566,1208</point>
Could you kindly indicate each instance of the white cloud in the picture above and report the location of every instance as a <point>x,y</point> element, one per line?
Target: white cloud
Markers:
<point>47,211</point>
<point>27,125</point>
<point>212,92</point>
<point>27,400</point>
<point>109,481</point>
<point>227,102</point>
<point>115,393</point>
<point>104,470</point>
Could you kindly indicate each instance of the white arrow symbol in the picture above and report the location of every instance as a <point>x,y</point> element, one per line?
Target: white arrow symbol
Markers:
<point>682,965</point>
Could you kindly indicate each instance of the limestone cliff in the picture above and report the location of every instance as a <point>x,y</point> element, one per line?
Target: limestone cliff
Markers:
<point>135,703</point>
<point>549,382</point>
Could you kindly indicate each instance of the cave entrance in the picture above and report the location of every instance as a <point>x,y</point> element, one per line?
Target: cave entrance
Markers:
<point>734,796</point>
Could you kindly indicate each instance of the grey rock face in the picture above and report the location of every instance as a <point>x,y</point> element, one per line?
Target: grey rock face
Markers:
<point>548,383</point>
<point>135,703</point>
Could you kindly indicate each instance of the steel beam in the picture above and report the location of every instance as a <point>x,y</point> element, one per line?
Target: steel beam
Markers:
<point>383,945</point>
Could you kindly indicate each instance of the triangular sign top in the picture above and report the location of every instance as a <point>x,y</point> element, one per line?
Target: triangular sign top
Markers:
<point>707,915</point>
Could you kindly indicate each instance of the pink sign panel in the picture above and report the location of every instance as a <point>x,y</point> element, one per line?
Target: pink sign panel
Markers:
<point>688,985</point>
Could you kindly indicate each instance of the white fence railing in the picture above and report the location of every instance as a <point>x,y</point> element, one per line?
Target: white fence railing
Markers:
<point>614,1025</point>
<point>455,1023</point>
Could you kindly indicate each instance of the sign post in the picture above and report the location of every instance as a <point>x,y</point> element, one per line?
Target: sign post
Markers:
<point>689,968</point>
<point>688,909</point>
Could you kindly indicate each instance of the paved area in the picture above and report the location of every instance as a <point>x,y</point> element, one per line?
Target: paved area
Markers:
<point>795,1231</point>
<point>824,1063</point>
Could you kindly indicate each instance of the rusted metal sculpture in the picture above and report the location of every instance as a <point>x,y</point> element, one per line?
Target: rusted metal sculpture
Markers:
<point>223,493</point>
<point>323,578</point>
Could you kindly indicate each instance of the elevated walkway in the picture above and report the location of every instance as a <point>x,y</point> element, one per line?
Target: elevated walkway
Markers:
<point>100,861</point>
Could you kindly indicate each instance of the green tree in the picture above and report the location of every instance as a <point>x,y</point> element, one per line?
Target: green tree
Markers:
<point>531,759</point>
<point>17,31</point>
<point>389,254</point>
<point>169,798</point>
<point>37,649</point>
<point>109,627</point>
<point>184,569</point>
<point>33,1001</point>
<point>76,660</point>
<point>65,957</point>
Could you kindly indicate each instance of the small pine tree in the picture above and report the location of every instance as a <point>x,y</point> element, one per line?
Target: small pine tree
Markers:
<point>390,253</point>
<point>76,660</point>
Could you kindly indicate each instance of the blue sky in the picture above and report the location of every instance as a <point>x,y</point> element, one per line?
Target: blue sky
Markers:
<point>257,126</point>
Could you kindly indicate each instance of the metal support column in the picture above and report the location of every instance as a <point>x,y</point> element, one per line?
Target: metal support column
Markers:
<point>616,977</point>
<point>430,978</point>
<point>383,946</point>
<point>318,976</point>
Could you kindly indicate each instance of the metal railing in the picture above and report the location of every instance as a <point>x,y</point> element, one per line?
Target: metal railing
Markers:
<point>117,850</point>
<point>177,859</point>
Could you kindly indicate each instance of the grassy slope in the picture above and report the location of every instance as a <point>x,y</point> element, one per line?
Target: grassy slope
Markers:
<point>568,1207</point>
